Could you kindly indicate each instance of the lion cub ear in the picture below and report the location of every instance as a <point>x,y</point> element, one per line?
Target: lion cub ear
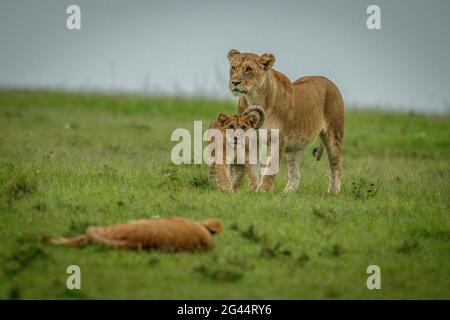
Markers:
<point>267,60</point>
<point>254,119</point>
<point>255,116</point>
<point>232,53</point>
<point>222,118</point>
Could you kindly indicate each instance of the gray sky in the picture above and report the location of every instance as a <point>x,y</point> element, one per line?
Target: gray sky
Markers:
<point>180,46</point>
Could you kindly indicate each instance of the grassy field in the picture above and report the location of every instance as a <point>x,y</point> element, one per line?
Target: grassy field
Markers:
<point>68,161</point>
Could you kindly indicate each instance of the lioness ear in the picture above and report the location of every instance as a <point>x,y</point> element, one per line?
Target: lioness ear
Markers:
<point>222,118</point>
<point>267,60</point>
<point>232,53</point>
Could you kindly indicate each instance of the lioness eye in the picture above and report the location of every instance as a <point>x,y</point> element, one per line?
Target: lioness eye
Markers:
<point>248,70</point>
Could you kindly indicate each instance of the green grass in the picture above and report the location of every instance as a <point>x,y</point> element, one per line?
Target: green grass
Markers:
<point>68,161</point>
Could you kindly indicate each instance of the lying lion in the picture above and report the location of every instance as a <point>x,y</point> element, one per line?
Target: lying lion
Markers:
<point>170,234</point>
<point>239,126</point>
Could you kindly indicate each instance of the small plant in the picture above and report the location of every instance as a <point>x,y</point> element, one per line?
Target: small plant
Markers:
<point>171,181</point>
<point>200,181</point>
<point>251,234</point>
<point>40,206</point>
<point>14,184</point>
<point>432,234</point>
<point>22,256</point>
<point>336,250</point>
<point>77,227</point>
<point>408,246</point>
<point>220,273</point>
<point>362,188</point>
<point>153,261</point>
<point>20,186</point>
<point>328,216</point>
<point>303,259</point>
<point>269,249</point>
<point>274,250</point>
<point>224,269</point>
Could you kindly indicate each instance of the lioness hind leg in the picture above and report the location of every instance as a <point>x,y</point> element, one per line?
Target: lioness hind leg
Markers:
<point>333,144</point>
<point>293,161</point>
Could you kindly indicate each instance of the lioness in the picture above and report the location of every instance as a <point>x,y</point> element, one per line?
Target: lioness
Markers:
<point>229,176</point>
<point>302,111</point>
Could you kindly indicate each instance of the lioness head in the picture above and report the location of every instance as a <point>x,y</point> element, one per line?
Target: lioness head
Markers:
<point>248,71</point>
<point>252,118</point>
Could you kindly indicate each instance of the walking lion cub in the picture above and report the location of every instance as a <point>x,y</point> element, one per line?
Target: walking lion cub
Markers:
<point>227,173</point>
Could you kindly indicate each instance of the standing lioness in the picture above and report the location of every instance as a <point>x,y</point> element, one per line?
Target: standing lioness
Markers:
<point>302,111</point>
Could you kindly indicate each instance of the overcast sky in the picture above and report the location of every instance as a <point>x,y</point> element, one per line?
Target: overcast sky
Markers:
<point>177,46</point>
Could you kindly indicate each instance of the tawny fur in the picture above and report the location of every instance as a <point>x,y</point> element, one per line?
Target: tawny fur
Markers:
<point>170,234</point>
<point>251,118</point>
<point>308,108</point>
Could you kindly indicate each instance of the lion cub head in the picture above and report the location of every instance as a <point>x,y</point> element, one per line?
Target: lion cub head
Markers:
<point>239,124</point>
<point>248,71</point>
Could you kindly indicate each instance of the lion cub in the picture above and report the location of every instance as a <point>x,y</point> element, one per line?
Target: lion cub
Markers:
<point>229,176</point>
<point>170,234</point>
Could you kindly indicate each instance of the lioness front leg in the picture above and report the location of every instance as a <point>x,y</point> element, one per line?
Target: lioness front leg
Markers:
<point>222,177</point>
<point>293,161</point>
<point>268,177</point>
<point>266,183</point>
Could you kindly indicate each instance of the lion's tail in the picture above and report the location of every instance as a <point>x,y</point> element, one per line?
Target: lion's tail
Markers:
<point>317,152</point>
<point>78,241</point>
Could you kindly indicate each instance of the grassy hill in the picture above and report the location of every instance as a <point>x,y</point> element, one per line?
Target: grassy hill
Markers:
<point>72,160</point>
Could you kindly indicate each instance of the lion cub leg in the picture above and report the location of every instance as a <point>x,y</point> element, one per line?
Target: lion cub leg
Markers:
<point>222,177</point>
<point>272,165</point>
<point>293,161</point>
<point>97,236</point>
<point>237,174</point>
<point>252,171</point>
<point>239,171</point>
